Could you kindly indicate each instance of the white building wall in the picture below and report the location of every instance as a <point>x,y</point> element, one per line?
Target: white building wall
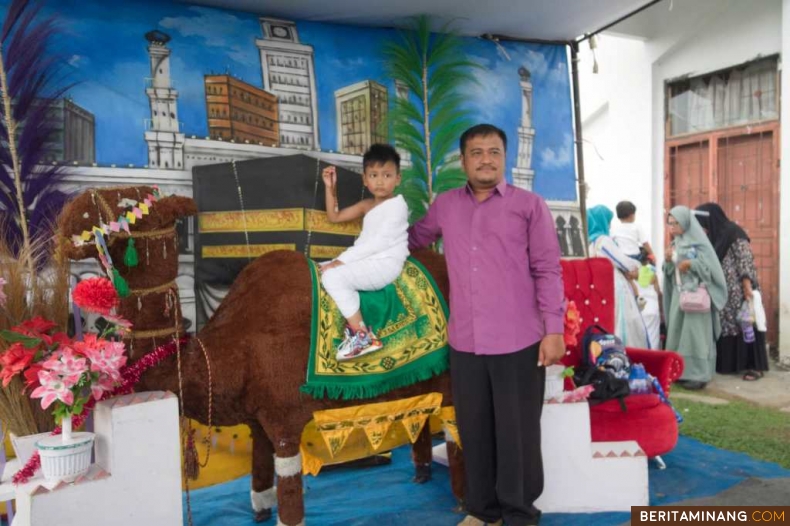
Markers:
<point>623,106</point>
<point>784,203</point>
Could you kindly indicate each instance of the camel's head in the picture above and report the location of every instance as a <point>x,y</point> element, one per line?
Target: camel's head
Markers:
<point>104,205</point>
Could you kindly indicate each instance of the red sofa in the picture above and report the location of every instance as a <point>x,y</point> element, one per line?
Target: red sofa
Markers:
<point>590,284</point>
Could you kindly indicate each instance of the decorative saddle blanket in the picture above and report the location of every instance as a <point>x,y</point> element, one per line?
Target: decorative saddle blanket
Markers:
<point>409,316</point>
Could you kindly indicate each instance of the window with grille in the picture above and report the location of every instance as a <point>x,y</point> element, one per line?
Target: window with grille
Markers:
<point>745,94</point>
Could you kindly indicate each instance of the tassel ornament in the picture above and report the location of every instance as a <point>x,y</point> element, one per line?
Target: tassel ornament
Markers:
<point>130,257</point>
<point>120,284</point>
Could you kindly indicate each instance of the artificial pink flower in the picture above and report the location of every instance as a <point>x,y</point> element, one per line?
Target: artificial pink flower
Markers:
<point>66,363</point>
<point>121,323</point>
<point>102,385</point>
<point>52,388</point>
<point>108,359</point>
<point>579,394</point>
<point>14,361</point>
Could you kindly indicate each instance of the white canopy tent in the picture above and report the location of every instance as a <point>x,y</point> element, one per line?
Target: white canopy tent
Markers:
<point>547,20</point>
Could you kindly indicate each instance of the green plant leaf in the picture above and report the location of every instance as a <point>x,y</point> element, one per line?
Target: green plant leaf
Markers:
<point>14,337</point>
<point>448,135</point>
<point>448,179</point>
<point>406,109</point>
<point>431,63</point>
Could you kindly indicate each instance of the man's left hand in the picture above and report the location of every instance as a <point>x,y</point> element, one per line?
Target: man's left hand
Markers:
<point>552,349</point>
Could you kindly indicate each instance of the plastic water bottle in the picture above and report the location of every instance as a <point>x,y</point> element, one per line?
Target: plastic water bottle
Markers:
<point>638,381</point>
<point>747,322</point>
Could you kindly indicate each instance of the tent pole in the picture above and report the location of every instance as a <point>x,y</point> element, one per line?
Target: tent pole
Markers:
<point>577,116</point>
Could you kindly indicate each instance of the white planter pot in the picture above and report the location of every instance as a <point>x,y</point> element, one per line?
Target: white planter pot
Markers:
<point>65,460</point>
<point>555,382</point>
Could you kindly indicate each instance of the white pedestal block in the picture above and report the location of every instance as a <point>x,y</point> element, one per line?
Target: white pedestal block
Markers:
<point>136,478</point>
<point>582,476</point>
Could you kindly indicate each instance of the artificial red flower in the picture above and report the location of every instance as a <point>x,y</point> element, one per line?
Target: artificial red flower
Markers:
<point>572,325</point>
<point>61,338</point>
<point>90,341</point>
<point>34,327</point>
<point>96,295</point>
<point>14,361</point>
<point>31,376</point>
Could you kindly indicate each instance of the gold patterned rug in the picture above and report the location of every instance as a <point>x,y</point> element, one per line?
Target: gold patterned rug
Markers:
<point>409,316</point>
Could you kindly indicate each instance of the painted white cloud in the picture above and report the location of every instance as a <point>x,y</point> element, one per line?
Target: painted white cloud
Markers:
<point>554,158</point>
<point>216,28</point>
<point>77,61</point>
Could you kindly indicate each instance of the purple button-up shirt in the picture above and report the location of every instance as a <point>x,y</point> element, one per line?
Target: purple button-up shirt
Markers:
<point>503,259</point>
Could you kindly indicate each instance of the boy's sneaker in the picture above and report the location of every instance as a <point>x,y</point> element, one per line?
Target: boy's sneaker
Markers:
<point>357,344</point>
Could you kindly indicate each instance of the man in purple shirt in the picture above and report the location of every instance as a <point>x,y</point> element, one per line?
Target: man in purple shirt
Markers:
<point>506,326</point>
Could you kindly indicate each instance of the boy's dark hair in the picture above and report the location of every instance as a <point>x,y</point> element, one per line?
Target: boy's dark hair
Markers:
<point>380,154</point>
<point>482,130</point>
<point>625,209</point>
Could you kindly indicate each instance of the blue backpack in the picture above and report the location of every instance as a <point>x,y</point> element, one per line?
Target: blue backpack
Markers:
<point>605,365</point>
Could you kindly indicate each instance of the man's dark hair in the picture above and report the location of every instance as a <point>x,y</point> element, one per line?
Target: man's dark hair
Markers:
<point>482,130</point>
<point>625,209</point>
<point>380,154</point>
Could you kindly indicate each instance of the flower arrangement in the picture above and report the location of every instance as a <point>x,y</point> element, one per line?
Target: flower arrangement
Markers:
<point>61,370</point>
<point>24,296</point>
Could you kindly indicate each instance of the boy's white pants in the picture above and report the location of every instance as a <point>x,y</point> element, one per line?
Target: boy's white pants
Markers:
<point>344,282</point>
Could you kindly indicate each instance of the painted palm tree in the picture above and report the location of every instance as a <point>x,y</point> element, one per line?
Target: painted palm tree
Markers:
<point>29,198</point>
<point>427,120</point>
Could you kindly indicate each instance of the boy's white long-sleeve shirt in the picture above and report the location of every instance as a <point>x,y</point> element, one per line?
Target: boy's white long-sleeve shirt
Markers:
<point>384,233</point>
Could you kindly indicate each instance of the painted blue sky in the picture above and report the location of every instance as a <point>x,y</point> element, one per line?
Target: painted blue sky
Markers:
<point>105,50</point>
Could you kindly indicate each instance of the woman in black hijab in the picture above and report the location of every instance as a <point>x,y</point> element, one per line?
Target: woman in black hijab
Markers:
<point>737,350</point>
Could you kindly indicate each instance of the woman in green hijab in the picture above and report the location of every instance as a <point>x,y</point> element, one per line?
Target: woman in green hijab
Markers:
<point>690,262</point>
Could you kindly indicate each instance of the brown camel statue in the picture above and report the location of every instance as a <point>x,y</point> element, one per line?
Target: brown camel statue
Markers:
<point>257,344</point>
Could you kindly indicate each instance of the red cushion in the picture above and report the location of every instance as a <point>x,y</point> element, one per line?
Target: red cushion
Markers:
<point>654,429</point>
<point>634,402</point>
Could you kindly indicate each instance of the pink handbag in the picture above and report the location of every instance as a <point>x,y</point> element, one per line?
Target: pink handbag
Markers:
<point>694,301</point>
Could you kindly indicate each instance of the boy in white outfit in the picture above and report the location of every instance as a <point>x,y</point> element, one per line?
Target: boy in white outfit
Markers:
<point>628,235</point>
<point>376,259</point>
<point>631,240</point>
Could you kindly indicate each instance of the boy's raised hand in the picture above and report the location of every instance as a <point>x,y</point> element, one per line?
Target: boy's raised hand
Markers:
<point>330,176</point>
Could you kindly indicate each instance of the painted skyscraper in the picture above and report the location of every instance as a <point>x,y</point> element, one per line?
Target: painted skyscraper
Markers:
<point>361,116</point>
<point>289,72</point>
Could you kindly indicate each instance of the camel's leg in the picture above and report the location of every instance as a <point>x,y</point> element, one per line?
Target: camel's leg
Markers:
<point>455,457</point>
<point>263,494</point>
<point>422,455</point>
<point>288,468</point>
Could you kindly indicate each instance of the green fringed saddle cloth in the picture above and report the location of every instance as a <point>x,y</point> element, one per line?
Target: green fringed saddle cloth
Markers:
<point>410,318</point>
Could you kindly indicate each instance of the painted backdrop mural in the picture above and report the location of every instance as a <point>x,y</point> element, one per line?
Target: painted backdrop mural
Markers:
<point>162,87</point>
<point>109,56</point>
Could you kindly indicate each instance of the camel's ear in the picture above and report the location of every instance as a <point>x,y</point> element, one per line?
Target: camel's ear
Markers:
<point>172,207</point>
